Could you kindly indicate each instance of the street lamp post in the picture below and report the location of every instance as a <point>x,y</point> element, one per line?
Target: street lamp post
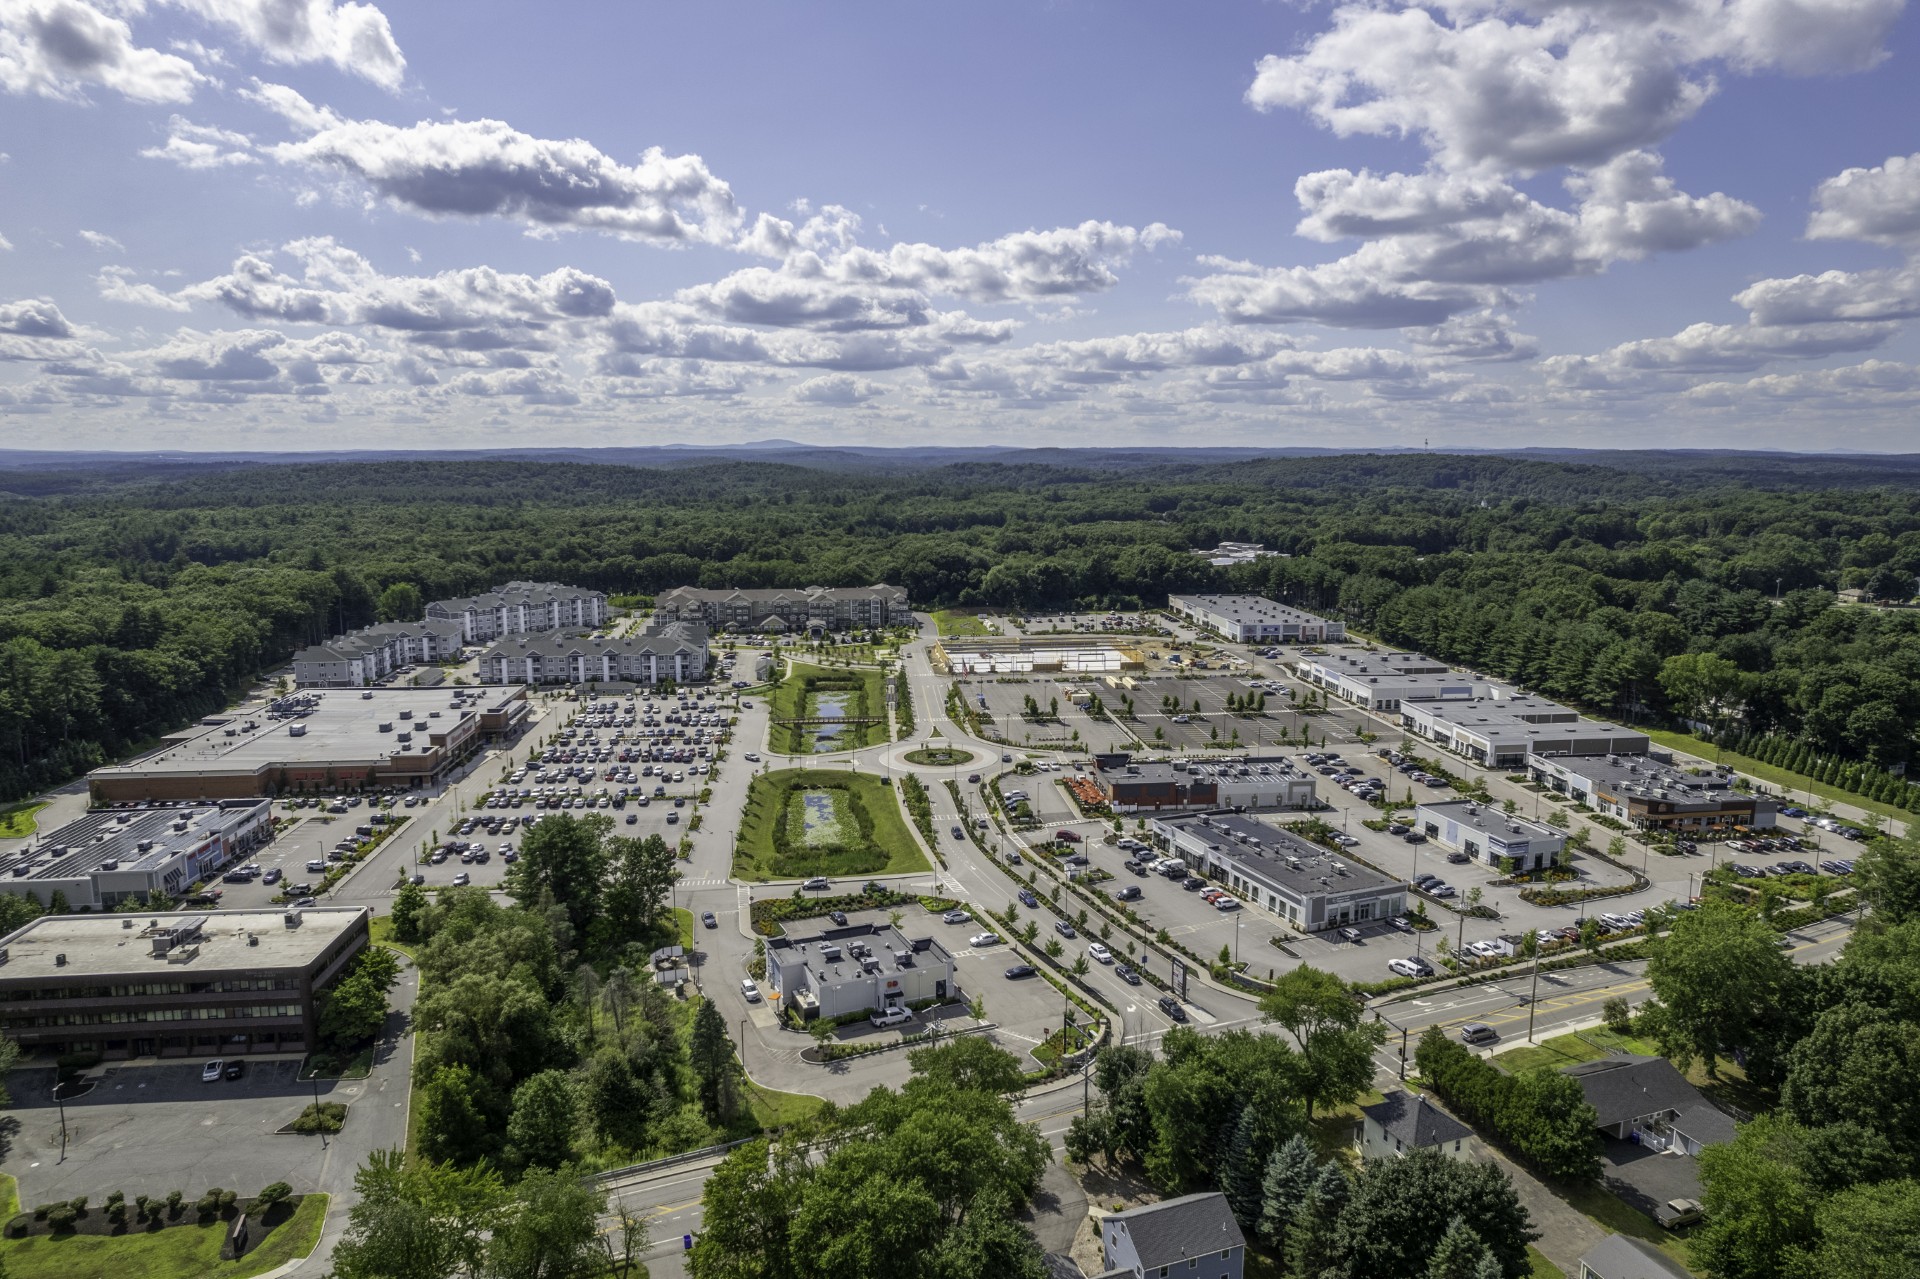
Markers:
<point>61,1102</point>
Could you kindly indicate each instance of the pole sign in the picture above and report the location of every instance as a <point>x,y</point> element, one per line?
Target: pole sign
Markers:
<point>1179,979</point>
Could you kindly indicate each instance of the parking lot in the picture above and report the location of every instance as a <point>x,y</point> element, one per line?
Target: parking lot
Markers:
<point>1006,705</point>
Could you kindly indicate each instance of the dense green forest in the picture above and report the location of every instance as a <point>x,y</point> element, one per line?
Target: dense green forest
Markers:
<point>130,604</point>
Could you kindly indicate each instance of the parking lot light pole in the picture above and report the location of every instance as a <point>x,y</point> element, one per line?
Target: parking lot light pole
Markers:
<point>61,1102</point>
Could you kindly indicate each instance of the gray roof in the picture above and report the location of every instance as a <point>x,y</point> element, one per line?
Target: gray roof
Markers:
<point>1487,819</point>
<point>663,640</point>
<point>1175,1229</point>
<point>119,834</point>
<point>1414,1121</point>
<point>1247,608</point>
<point>1279,856</point>
<point>1621,1257</point>
<point>1623,1086</point>
<point>1642,777</point>
<point>536,594</point>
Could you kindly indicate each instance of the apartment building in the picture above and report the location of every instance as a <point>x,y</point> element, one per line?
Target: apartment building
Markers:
<point>1254,619</point>
<point>670,652</point>
<point>812,610</point>
<point>111,856</point>
<point>214,984</point>
<point>522,608</point>
<point>370,654</point>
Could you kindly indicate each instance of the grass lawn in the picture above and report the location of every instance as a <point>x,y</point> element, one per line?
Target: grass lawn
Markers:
<point>1332,1131</point>
<point>775,1109</point>
<point>1542,1268</point>
<point>177,1252</point>
<point>863,695</point>
<point>16,820</point>
<point>941,757</point>
<point>773,846</point>
<point>1569,1050</point>
<point>953,622</point>
<point>683,924</point>
<point>1774,774</point>
<point>9,1196</point>
<point>380,930</point>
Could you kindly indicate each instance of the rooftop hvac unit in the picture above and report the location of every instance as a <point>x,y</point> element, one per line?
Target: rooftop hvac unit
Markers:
<point>386,726</point>
<point>367,696</point>
<point>60,960</point>
<point>291,919</point>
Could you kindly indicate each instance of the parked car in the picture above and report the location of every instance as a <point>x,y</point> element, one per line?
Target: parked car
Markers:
<point>1018,971</point>
<point>1410,966</point>
<point>210,1073</point>
<point>1402,923</point>
<point>1350,935</point>
<point>235,1069</point>
<point>838,916</point>
<point>984,939</point>
<point>955,917</point>
<point>891,1017</point>
<point>1675,1213</point>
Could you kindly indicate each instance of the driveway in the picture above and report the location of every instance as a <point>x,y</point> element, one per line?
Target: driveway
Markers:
<point>1642,1179</point>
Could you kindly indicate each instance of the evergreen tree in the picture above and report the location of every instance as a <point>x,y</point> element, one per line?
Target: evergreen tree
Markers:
<point>1240,1178</point>
<point>1460,1253</point>
<point>1290,1174</point>
<point>711,1054</point>
<point>1311,1250</point>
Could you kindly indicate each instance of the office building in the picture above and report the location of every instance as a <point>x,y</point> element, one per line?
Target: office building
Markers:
<point>812,610</point>
<point>1381,681</point>
<point>1652,795</point>
<point>666,652</point>
<point>1501,732</point>
<point>1293,878</point>
<point>521,608</point>
<point>855,969</point>
<point>1253,619</point>
<point>112,855</point>
<point>1489,836</point>
<point>1253,782</point>
<point>1193,1237</point>
<point>202,985</point>
<point>320,740</point>
<point>372,653</point>
<point>1230,553</point>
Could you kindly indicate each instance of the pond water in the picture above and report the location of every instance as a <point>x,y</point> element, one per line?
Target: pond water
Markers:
<point>826,737</point>
<point>820,821</point>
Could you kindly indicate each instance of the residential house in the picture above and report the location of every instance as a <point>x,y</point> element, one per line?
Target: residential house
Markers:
<point>1644,1099</point>
<point>1623,1257</point>
<point>1404,1122</point>
<point>1193,1236</point>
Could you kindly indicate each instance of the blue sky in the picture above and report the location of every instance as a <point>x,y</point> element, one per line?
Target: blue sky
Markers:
<point>298,224</point>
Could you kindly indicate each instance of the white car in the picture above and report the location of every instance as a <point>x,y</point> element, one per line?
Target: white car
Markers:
<point>1099,954</point>
<point>984,939</point>
<point>751,991</point>
<point>955,917</point>
<point>891,1017</point>
<point>1410,967</point>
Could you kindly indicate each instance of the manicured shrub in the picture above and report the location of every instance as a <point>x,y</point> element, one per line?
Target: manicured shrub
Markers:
<point>272,1195</point>
<point>61,1216</point>
<point>79,1204</point>
<point>174,1198</point>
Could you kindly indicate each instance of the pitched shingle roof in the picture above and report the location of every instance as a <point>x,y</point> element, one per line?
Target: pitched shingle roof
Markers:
<point>1415,1121</point>
<point>1621,1257</point>
<point>1175,1229</point>
<point>1623,1086</point>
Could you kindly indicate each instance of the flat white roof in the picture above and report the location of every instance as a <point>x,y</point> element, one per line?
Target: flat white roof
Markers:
<point>121,944</point>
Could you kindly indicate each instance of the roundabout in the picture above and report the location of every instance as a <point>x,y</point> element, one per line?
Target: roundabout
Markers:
<point>940,757</point>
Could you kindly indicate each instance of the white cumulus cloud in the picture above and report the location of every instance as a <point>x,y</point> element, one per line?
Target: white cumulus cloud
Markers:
<point>1879,204</point>
<point>60,48</point>
<point>356,38</point>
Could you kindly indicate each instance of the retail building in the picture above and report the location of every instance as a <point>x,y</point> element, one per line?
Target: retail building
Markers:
<point>112,855</point>
<point>1311,887</point>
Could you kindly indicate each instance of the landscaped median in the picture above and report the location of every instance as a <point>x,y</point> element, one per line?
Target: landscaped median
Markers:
<point>169,1237</point>
<point>854,694</point>
<point>810,821</point>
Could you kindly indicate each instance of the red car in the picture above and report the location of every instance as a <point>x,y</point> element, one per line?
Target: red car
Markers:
<point>1067,837</point>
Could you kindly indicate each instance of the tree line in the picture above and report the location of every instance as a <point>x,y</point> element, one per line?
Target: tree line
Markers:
<point>130,608</point>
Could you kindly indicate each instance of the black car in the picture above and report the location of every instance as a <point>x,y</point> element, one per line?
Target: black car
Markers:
<point>1127,975</point>
<point>838,916</point>
<point>957,832</point>
<point>1130,893</point>
<point>1171,1007</point>
<point>706,917</point>
<point>633,819</point>
<point>1193,883</point>
<point>1138,869</point>
<point>235,1069</point>
<point>1018,971</point>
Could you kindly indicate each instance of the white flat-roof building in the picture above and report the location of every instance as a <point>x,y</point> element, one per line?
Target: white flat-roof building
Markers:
<point>1502,732</point>
<point>1489,836</point>
<point>1310,887</point>
<point>1651,794</point>
<point>112,855</point>
<point>666,652</point>
<point>1255,781</point>
<point>1229,553</point>
<point>521,608</point>
<point>1380,682</point>
<point>1254,619</point>
<point>319,739</point>
<point>201,984</point>
<point>857,968</point>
